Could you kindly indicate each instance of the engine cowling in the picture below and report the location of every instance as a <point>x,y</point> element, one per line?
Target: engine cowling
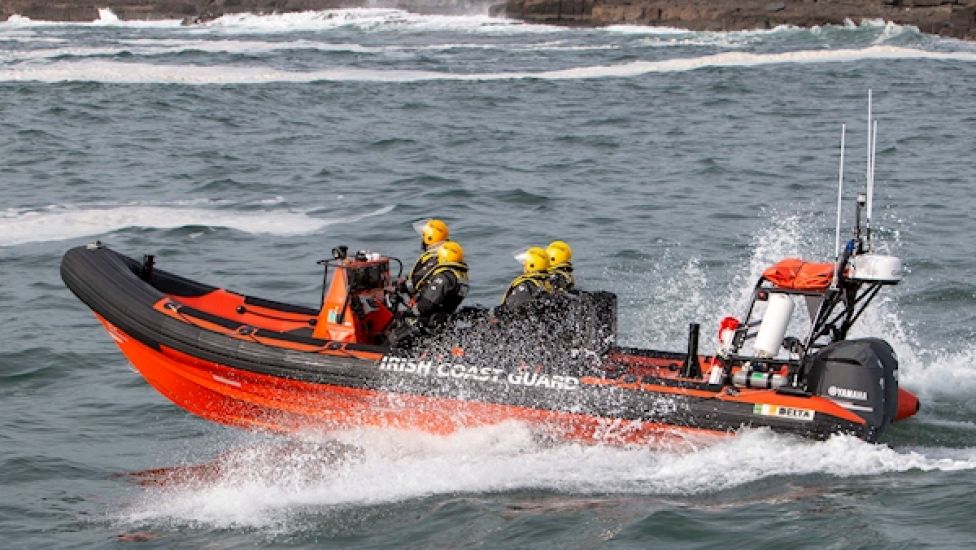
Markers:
<point>860,375</point>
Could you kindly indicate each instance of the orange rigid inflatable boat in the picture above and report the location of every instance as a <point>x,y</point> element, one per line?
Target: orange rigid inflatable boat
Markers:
<point>259,364</point>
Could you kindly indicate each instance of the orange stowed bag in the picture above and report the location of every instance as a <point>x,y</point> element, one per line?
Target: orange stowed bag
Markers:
<point>796,274</point>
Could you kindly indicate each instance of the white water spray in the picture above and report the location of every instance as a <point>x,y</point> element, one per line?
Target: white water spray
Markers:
<point>265,488</point>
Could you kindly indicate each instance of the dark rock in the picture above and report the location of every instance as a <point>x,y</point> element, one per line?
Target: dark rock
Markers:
<point>198,11</point>
<point>947,17</point>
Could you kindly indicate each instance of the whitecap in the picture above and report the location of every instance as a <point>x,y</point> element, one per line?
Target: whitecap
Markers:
<point>58,223</point>
<point>368,20</point>
<point>266,487</point>
<point>124,72</point>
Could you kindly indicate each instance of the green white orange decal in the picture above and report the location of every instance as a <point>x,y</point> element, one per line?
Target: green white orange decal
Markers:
<point>792,413</point>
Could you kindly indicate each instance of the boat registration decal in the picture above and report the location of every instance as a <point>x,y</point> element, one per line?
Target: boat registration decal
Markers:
<point>792,413</point>
<point>460,371</point>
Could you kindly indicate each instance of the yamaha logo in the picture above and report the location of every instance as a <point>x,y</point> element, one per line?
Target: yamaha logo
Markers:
<point>846,393</point>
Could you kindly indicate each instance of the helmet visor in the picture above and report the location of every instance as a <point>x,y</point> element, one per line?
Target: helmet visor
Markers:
<point>418,226</point>
<point>521,254</point>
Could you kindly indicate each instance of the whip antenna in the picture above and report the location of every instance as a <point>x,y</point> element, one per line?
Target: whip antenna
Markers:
<point>840,194</point>
<point>869,172</point>
<point>840,191</point>
<point>874,155</point>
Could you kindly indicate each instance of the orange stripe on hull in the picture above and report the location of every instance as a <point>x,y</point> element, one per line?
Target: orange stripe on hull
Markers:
<point>257,401</point>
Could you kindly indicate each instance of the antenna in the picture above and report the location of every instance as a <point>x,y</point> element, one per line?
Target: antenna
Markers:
<point>872,147</point>
<point>874,155</point>
<point>840,194</point>
<point>840,190</point>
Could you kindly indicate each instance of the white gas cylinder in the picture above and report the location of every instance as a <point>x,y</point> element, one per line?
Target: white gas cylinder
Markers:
<point>769,339</point>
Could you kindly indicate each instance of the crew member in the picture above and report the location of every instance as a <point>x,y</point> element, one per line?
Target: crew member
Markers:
<point>433,234</point>
<point>561,266</point>
<point>533,283</point>
<point>441,290</point>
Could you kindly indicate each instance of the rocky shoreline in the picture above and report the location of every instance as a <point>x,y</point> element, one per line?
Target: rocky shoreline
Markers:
<point>956,18</point>
<point>196,11</point>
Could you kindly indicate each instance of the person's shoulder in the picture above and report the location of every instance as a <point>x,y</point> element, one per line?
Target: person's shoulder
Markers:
<point>525,286</point>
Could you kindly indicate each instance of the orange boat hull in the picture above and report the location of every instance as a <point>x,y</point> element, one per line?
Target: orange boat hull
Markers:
<point>255,401</point>
<point>257,364</point>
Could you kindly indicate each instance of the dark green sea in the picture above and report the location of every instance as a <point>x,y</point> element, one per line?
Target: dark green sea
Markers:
<point>678,165</point>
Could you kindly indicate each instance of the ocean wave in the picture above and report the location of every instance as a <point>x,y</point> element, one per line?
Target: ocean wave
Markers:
<point>147,47</point>
<point>369,19</point>
<point>359,19</point>
<point>66,223</point>
<point>157,47</point>
<point>144,73</point>
<point>266,486</point>
<point>106,17</point>
<point>926,368</point>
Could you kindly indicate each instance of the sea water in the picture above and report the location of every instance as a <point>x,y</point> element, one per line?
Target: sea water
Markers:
<point>677,164</point>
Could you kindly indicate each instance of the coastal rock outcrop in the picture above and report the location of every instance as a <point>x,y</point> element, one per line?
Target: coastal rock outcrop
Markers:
<point>946,17</point>
<point>955,18</point>
<point>202,10</point>
<point>87,10</point>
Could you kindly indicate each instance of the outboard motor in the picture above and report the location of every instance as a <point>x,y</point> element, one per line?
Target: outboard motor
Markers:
<point>861,376</point>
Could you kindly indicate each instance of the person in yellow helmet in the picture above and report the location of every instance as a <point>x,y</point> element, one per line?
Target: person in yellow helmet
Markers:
<point>433,233</point>
<point>561,266</point>
<point>443,288</point>
<point>438,295</point>
<point>533,283</point>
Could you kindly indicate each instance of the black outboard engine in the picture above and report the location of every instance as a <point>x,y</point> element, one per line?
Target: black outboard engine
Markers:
<point>860,375</point>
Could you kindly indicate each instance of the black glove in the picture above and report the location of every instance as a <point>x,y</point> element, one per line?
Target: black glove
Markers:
<point>401,286</point>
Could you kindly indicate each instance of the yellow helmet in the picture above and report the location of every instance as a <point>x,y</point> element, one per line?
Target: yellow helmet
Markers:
<point>534,260</point>
<point>450,252</point>
<point>559,252</point>
<point>432,231</point>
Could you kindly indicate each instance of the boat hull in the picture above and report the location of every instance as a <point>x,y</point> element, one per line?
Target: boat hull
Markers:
<point>255,401</point>
<point>227,370</point>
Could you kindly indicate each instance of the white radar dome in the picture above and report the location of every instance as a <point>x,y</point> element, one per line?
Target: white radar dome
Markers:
<point>875,268</point>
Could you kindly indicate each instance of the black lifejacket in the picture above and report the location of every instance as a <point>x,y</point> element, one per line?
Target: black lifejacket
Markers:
<point>424,265</point>
<point>561,276</point>
<point>443,289</point>
<point>526,288</point>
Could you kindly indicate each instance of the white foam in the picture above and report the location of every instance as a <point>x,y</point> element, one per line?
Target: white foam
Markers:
<point>689,295</point>
<point>362,19</point>
<point>105,18</point>
<point>642,30</point>
<point>262,488</point>
<point>684,296</point>
<point>150,47</point>
<point>927,370</point>
<point>891,30</point>
<point>18,21</point>
<point>367,20</point>
<point>65,223</point>
<point>123,72</point>
<point>155,47</point>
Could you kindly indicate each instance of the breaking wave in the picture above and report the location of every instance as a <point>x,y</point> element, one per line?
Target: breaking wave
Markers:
<point>692,295</point>
<point>159,47</point>
<point>106,17</point>
<point>122,72</point>
<point>286,487</point>
<point>65,222</point>
<point>270,486</point>
<point>358,19</point>
<point>369,19</point>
